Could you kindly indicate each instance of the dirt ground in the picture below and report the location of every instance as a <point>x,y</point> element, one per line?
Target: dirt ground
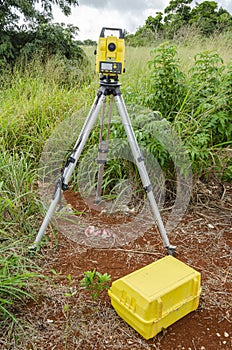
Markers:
<point>65,316</point>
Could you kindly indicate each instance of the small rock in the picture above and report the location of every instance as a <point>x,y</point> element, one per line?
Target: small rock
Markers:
<point>226,334</point>
<point>218,334</point>
<point>224,342</point>
<point>203,348</point>
<point>210,226</point>
<point>126,209</point>
<point>49,321</point>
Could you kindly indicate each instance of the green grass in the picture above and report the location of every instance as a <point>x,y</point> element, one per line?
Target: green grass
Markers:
<point>19,215</point>
<point>32,104</point>
<point>33,101</point>
<point>17,280</point>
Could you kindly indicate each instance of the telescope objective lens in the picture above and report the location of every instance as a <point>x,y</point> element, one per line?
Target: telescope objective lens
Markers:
<point>111,47</point>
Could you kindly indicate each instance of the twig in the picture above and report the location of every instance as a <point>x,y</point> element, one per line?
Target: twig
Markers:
<point>130,250</point>
<point>194,344</point>
<point>223,194</point>
<point>225,278</point>
<point>203,215</point>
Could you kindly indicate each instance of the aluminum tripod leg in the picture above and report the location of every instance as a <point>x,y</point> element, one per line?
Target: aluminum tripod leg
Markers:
<point>103,150</point>
<point>141,168</point>
<point>71,162</point>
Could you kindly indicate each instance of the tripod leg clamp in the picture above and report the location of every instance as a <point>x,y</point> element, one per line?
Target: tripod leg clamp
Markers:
<point>101,161</point>
<point>148,188</point>
<point>140,159</point>
<point>69,160</point>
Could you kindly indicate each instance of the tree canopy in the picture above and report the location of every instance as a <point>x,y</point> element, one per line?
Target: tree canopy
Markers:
<point>35,11</point>
<point>25,27</point>
<point>179,14</point>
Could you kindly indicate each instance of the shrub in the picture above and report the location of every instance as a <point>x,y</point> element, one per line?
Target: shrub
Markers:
<point>166,88</point>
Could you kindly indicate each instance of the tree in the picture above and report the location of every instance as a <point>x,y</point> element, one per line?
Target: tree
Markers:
<point>179,7</point>
<point>204,16</point>
<point>179,14</point>
<point>209,19</point>
<point>12,10</point>
<point>224,20</point>
<point>36,32</point>
<point>155,23</point>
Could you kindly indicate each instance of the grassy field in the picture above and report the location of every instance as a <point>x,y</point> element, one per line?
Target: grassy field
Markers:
<point>35,99</point>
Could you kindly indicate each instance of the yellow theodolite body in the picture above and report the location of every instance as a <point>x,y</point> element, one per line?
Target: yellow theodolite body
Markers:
<point>110,53</point>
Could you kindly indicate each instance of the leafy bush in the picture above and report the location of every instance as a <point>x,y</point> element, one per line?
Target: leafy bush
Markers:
<point>42,43</point>
<point>166,82</point>
<point>51,39</point>
<point>207,96</point>
<point>198,104</point>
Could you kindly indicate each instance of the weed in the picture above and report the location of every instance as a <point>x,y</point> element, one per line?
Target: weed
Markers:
<point>94,282</point>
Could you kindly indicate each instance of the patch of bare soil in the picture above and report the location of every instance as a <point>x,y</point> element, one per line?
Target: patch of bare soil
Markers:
<point>65,316</point>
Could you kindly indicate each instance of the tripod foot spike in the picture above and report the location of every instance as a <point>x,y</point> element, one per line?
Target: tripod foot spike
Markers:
<point>171,250</point>
<point>33,249</point>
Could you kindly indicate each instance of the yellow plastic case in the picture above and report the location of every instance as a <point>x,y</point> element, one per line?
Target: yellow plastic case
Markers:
<point>157,295</point>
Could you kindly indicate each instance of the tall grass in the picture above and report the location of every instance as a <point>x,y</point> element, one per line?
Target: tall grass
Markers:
<point>220,44</point>
<point>33,101</point>
<point>18,277</point>
<point>19,215</point>
<point>19,207</point>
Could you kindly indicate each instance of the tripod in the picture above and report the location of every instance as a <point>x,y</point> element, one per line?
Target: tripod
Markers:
<point>108,87</point>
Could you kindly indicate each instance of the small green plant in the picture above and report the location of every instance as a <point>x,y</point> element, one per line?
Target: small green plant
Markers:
<point>94,282</point>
